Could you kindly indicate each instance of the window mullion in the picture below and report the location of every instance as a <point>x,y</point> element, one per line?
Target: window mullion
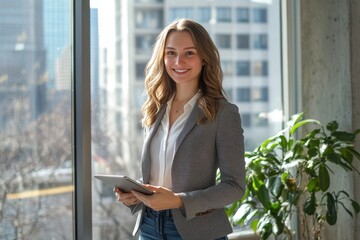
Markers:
<point>82,120</point>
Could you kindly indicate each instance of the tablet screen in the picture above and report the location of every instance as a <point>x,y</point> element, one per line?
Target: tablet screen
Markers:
<point>124,183</point>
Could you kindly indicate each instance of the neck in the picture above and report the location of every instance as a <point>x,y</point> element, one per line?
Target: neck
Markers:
<point>184,95</point>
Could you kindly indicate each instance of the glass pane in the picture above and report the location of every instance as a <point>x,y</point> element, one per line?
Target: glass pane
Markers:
<point>260,68</point>
<point>260,15</point>
<point>227,68</point>
<point>178,12</point>
<point>242,15</point>
<point>250,55</point>
<point>243,95</point>
<point>204,14</point>
<point>223,14</point>
<point>260,41</point>
<point>36,196</point>
<point>243,41</point>
<point>223,40</point>
<point>243,68</point>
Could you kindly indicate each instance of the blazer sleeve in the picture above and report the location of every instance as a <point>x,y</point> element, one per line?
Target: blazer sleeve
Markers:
<point>229,145</point>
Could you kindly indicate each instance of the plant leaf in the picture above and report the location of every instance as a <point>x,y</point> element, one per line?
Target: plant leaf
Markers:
<point>347,210</point>
<point>310,205</point>
<point>250,216</point>
<point>313,152</point>
<point>283,143</point>
<point>265,230</point>
<point>263,197</point>
<point>331,214</point>
<point>301,123</point>
<point>356,206</point>
<point>295,119</point>
<point>277,227</point>
<point>353,151</point>
<point>334,157</point>
<point>357,131</point>
<point>242,212</point>
<point>344,136</point>
<point>332,126</point>
<point>284,176</point>
<point>343,192</point>
<point>312,184</point>
<point>324,178</point>
<point>346,155</point>
<point>254,225</point>
<point>266,142</point>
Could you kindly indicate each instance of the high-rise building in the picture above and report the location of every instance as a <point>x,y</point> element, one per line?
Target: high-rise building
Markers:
<point>22,63</point>
<point>247,34</point>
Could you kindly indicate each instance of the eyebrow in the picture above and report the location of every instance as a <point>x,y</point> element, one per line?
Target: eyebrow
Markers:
<point>187,48</point>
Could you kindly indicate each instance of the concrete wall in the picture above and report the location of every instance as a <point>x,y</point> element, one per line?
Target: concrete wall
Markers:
<point>330,49</point>
<point>355,77</point>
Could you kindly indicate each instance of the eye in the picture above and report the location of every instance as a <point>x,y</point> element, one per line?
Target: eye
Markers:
<point>170,53</point>
<point>190,53</point>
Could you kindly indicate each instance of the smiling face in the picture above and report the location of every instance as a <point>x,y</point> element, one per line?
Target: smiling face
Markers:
<point>181,58</point>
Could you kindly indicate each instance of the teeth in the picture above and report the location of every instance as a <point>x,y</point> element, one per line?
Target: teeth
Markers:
<point>180,71</point>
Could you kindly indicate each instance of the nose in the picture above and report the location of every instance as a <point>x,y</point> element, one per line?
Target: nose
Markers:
<point>179,59</point>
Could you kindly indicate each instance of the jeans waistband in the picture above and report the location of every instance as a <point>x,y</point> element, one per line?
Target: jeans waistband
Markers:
<point>151,212</point>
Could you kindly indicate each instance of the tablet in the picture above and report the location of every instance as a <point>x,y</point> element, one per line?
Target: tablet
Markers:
<point>124,183</point>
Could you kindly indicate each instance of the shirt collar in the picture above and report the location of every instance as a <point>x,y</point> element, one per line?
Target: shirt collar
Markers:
<point>190,103</point>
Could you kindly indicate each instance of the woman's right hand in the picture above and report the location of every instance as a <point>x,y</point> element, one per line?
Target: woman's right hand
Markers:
<point>127,199</point>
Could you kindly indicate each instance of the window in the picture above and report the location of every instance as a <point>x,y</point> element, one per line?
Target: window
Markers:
<point>118,123</point>
<point>144,43</point>
<point>204,14</point>
<point>37,96</point>
<point>35,120</point>
<point>176,13</point>
<point>242,15</point>
<point>118,96</point>
<point>148,19</point>
<point>259,15</point>
<point>246,120</point>
<point>260,94</point>
<point>243,41</point>
<point>223,14</point>
<point>260,120</point>
<point>229,94</point>
<point>118,74</point>
<point>227,67</point>
<point>223,40</point>
<point>243,68</point>
<point>243,95</point>
<point>260,41</point>
<point>260,68</point>
<point>140,71</point>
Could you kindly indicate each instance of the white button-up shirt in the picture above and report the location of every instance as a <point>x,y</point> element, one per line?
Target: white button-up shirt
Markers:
<point>162,148</point>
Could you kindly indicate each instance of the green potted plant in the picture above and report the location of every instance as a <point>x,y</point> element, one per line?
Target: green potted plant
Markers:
<point>284,168</point>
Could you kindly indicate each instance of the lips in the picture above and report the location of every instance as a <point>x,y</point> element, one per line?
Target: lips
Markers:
<point>180,70</point>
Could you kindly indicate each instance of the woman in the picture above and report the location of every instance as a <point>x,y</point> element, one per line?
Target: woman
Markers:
<point>192,132</point>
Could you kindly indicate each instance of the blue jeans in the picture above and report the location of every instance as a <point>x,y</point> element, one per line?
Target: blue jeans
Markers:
<point>160,226</point>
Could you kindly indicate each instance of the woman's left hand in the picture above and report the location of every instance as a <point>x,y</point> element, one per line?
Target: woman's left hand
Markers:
<point>162,198</point>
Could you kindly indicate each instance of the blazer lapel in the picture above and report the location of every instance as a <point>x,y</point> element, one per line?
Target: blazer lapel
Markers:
<point>146,161</point>
<point>195,115</point>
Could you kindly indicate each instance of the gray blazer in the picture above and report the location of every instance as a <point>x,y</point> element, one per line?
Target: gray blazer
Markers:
<point>200,150</point>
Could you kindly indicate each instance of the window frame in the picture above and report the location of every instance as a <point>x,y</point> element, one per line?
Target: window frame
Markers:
<point>81,122</point>
<point>81,106</point>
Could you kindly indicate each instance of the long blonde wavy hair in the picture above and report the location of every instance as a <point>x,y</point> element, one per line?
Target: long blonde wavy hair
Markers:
<point>160,87</point>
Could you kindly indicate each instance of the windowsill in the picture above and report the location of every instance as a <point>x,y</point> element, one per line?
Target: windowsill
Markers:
<point>243,235</point>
